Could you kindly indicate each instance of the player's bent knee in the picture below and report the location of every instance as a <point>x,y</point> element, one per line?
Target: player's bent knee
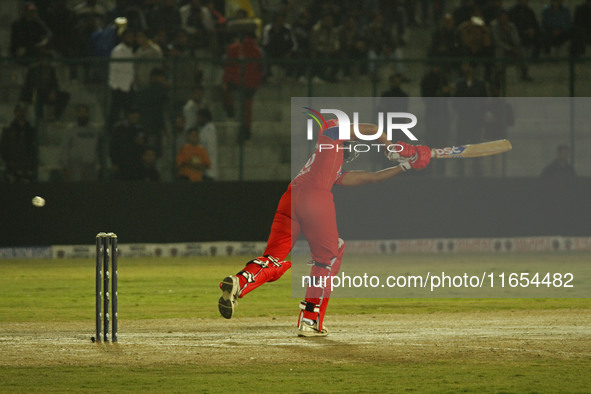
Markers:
<point>279,270</point>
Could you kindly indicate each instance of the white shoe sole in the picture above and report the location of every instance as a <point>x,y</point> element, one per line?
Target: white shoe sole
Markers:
<point>227,301</point>
<point>310,332</point>
<point>319,334</point>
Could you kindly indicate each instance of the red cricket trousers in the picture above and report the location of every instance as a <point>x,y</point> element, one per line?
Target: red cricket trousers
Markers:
<point>301,210</point>
<point>309,211</point>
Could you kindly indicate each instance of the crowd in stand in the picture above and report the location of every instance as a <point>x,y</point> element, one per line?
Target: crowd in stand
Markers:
<point>486,29</point>
<point>298,29</point>
<point>283,34</point>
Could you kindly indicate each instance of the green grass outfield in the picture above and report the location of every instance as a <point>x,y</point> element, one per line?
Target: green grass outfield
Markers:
<point>42,300</point>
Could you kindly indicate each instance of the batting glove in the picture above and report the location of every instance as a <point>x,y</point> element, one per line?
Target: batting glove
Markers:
<point>403,152</point>
<point>419,160</point>
<point>408,150</point>
<point>405,165</point>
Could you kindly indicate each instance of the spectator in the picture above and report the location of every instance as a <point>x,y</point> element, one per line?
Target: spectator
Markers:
<point>396,91</point>
<point>279,44</point>
<point>160,38</point>
<point>127,145</point>
<point>243,72</point>
<point>334,7</point>
<point>163,15</point>
<point>197,21</point>
<point>147,170</point>
<point>353,44</point>
<point>390,56</point>
<point>193,106</point>
<point>475,41</point>
<point>41,85</point>
<point>185,68</point>
<point>464,12</point>
<point>217,9</point>
<point>239,10</point>
<point>179,46</point>
<point>508,44</point>
<point>147,53</point>
<point>239,15</point>
<point>383,46</point>
<point>118,10</point>
<point>61,21</point>
<point>195,13</point>
<point>208,138</point>
<point>301,31</point>
<point>491,11</point>
<point>435,84</point>
<point>179,132</point>
<point>434,88</point>
<point>444,40</point>
<point>408,8</point>
<point>499,115</point>
<point>398,13</point>
<point>560,168</point>
<point>17,147</point>
<point>192,159</point>
<point>101,44</point>
<point>81,147</point>
<point>87,10</point>
<point>556,25</point>
<point>102,41</point>
<point>582,27</point>
<point>470,113</point>
<point>121,76</point>
<point>90,17</point>
<point>438,10</point>
<point>324,46</point>
<point>125,9</point>
<point>151,102</point>
<point>273,7</point>
<point>524,19</point>
<point>468,85</point>
<point>378,31</point>
<point>29,35</point>
<point>200,38</point>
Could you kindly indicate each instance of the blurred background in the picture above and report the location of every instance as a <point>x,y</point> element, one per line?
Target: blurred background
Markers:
<point>94,93</point>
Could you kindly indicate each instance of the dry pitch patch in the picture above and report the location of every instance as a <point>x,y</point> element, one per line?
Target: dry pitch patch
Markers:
<point>476,337</point>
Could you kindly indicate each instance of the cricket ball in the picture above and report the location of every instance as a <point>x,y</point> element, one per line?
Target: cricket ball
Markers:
<point>38,201</point>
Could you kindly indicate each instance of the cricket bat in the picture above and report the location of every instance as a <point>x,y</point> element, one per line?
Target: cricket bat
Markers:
<point>471,150</point>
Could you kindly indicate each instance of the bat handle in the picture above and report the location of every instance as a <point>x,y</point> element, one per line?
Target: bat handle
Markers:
<point>396,156</point>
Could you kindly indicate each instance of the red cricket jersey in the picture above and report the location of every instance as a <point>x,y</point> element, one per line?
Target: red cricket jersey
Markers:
<point>325,166</point>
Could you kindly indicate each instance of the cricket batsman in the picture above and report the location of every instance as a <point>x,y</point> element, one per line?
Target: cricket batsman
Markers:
<point>307,207</point>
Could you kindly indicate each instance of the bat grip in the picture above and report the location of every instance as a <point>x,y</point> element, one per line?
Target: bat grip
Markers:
<point>396,156</point>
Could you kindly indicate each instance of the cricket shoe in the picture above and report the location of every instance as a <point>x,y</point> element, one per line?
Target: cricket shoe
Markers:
<point>310,330</point>
<point>230,287</point>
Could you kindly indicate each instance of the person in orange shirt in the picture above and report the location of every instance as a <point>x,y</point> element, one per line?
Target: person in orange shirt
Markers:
<point>192,159</point>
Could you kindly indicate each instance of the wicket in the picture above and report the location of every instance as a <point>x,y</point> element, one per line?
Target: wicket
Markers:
<point>106,252</point>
